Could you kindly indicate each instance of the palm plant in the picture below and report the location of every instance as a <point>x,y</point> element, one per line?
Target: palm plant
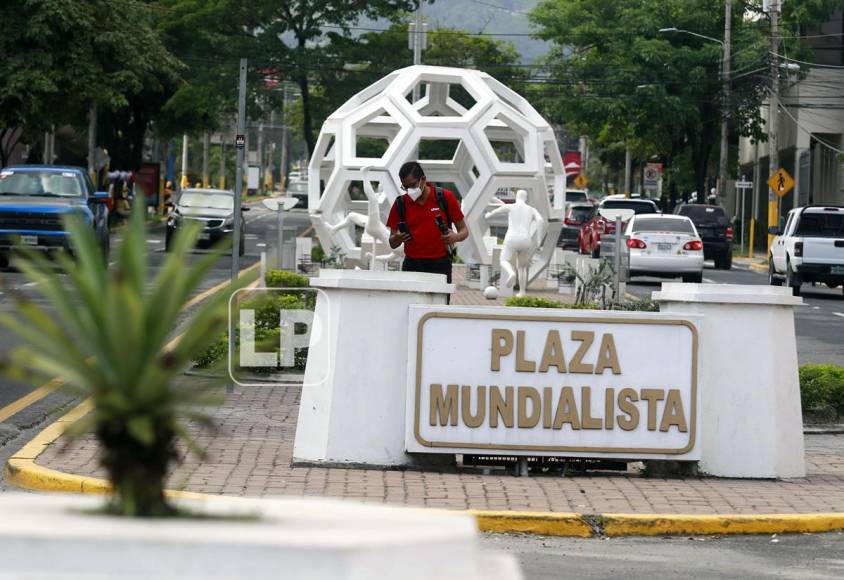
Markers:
<point>108,334</point>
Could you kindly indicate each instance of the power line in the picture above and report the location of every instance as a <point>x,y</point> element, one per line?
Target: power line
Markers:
<point>802,128</point>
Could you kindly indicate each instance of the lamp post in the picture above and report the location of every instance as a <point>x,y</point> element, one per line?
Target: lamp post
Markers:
<point>725,92</point>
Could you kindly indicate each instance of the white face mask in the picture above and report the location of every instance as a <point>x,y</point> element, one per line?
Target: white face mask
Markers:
<point>414,193</point>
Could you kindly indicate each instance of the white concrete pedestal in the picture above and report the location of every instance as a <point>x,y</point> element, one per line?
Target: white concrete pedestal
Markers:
<point>51,536</point>
<point>353,397</point>
<point>751,422</point>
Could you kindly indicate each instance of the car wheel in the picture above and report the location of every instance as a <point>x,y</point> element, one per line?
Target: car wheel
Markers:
<point>773,279</point>
<point>4,261</point>
<point>792,280</point>
<point>727,261</point>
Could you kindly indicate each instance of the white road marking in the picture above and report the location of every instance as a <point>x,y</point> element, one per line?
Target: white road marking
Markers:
<point>841,314</point>
<point>709,280</point>
<point>261,245</point>
<point>816,307</point>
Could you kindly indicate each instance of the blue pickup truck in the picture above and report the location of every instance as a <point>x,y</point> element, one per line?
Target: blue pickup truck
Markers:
<point>35,198</point>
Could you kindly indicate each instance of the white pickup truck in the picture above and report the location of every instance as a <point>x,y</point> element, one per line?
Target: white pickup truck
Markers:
<point>810,248</point>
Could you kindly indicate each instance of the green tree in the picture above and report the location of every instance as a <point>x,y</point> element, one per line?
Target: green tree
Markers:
<point>615,78</point>
<point>60,57</point>
<point>293,34</point>
<point>348,65</point>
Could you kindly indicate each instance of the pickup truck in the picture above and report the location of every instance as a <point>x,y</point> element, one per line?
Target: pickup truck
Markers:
<point>35,198</point>
<point>809,248</point>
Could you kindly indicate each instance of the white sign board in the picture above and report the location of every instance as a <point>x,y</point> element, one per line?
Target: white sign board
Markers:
<point>563,383</point>
<point>252,177</point>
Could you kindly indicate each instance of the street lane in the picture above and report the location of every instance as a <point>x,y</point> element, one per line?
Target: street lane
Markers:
<point>819,324</point>
<point>260,232</point>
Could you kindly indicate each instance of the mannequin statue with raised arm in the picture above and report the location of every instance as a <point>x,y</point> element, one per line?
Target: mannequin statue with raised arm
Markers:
<point>525,231</point>
<point>370,223</point>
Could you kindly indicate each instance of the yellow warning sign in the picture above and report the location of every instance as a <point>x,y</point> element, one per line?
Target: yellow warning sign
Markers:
<point>581,182</point>
<point>781,182</point>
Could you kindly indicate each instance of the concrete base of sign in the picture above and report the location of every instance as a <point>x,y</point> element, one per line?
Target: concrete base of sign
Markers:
<point>255,539</point>
<point>751,423</point>
<point>353,397</point>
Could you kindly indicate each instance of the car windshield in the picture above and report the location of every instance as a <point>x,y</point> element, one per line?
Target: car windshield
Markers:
<point>580,213</point>
<point>40,183</point>
<point>207,200</point>
<point>297,187</point>
<point>637,206</point>
<point>576,196</point>
<point>662,224</point>
<point>821,225</point>
<point>703,213</point>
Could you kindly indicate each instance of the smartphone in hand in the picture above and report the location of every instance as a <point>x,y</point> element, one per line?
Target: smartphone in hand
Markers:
<point>403,228</point>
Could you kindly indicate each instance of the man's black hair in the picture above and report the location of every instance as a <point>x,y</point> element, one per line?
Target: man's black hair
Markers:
<point>411,168</point>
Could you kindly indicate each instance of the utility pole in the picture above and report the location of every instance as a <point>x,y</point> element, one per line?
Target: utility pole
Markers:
<point>773,117</point>
<point>92,144</point>
<point>725,103</point>
<point>282,171</point>
<point>206,145</point>
<point>222,161</point>
<point>628,163</point>
<point>261,152</point>
<point>184,183</point>
<point>238,193</point>
<point>418,43</point>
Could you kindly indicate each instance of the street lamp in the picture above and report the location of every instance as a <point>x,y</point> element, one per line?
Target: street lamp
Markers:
<point>725,91</point>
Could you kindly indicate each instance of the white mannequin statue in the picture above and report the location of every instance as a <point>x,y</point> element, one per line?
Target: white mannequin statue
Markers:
<point>370,223</point>
<point>525,231</point>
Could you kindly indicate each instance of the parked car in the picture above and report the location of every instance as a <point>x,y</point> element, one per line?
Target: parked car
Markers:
<point>591,232</point>
<point>34,199</point>
<point>576,196</point>
<point>214,208</point>
<point>810,248</point>
<point>299,190</point>
<point>715,230</point>
<point>576,216</point>
<point>664,246</point>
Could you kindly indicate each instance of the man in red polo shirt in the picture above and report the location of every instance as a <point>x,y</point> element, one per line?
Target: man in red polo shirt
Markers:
<point>424,225</point>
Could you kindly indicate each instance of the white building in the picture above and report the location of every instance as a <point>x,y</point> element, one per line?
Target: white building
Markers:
<point>811,130</point>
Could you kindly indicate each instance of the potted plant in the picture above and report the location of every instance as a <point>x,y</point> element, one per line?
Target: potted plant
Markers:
<point>108,334</point>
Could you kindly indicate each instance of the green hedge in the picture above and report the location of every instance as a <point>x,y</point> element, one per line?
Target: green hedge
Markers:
<point>284,279</point>
<point>538,302</point>
<point>822,386</point>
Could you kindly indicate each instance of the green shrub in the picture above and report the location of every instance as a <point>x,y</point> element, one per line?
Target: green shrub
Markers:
<point>284,279</point>
<point>215,352</point>
<point>317,254</point>
<point>539,302</point>
<point>822,385</point>
<point>637,305</point>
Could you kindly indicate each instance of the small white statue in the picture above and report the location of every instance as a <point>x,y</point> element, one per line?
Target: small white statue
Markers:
<point>371,223</point>
<point>525,231</point>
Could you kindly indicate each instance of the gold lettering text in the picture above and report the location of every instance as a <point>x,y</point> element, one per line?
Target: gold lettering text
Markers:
<point>443,408</point>
<point>526,421</point>
<point>566,410</point>
<point>502,406</point>
<point>477,419</point>
<point>607,356</point>
<point>673,414</point>
<point>553,355</point>
<point>586,339</point>
<point>630,420</point>
<point>652,396</point>
<point>502,345</point>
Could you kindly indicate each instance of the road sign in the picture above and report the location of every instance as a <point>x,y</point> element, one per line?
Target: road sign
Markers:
<point>781,182</point>
<point>581,182</point>
<point>240,141</point>
<point>744,184</point>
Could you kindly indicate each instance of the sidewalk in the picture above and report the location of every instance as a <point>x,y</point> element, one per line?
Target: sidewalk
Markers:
<point>758,262</point>
<point>250,454</point>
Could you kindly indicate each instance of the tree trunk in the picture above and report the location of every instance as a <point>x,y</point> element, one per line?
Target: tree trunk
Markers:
<point>307,117</point>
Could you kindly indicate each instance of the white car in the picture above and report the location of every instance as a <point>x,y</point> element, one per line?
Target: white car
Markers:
<point>664,246</point>
<point>810,248</point>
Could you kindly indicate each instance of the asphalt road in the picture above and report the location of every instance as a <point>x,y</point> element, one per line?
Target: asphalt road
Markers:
<point>819,324</point>
<point>803,556</point>
<point>260,234</point>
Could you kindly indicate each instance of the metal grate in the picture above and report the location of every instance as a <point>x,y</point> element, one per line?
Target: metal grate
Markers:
<point>30,221</point>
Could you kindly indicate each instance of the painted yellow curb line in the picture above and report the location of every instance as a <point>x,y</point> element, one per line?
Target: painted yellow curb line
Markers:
<point>545,524</point>
<point>758,267</point>
<point>659,524</point>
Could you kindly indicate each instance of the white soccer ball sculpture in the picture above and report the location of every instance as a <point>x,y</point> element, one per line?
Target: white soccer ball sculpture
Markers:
<point>495,141</point>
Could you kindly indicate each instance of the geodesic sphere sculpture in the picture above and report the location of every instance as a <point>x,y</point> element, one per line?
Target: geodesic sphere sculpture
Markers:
<point>471,133</point>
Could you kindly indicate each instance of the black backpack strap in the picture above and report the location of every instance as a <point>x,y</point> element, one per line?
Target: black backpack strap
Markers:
<point>400,207</point>
<point>443,204</point>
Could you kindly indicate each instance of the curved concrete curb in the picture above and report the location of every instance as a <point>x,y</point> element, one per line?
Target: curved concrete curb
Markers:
<point>22,471</point>
<point>763,268</point>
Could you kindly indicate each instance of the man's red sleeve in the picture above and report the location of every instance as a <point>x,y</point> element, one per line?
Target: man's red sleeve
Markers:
<point>393,218</point>
<point>454,211</point>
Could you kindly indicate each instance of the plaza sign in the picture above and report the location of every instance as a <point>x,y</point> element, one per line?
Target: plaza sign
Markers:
<point>597,384</point>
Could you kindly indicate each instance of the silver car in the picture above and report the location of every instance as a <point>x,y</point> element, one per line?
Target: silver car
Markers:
<point>665,246</point>
<point>213,208</point>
